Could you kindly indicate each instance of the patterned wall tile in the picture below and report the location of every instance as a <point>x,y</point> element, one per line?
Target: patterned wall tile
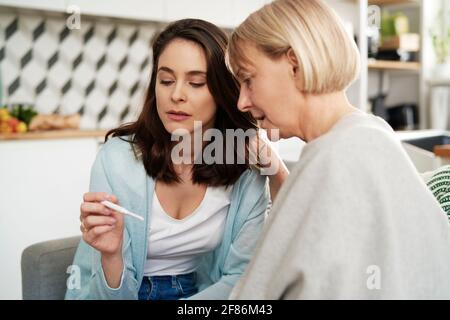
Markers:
<point>10,71</point>
<point>117,49</point>
<point>118,102</point>
<point>17,45</point>
<point>33,77</point>
<point>71,102</point>
<point>45,46</point>
<point>58,75</point>
<point>100,71</point>
<point>48,101</point>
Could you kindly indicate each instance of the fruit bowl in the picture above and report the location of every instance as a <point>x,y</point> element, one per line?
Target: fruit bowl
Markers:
<point>15,119</point>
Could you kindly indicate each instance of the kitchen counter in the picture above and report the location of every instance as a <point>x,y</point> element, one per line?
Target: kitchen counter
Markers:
<point>417,134</point>
<point>423,158</point>
<point>53,134</point>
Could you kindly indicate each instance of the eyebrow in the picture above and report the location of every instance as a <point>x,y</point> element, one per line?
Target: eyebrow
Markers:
<point>190,73</point>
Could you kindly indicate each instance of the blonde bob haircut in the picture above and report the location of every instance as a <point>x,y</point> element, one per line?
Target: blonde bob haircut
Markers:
<point>328,58</point>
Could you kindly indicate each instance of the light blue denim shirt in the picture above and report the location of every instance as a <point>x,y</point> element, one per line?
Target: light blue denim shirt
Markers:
<point>118,171</point>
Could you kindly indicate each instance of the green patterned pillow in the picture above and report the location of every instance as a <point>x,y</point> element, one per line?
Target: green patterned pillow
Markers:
<point>439,184</point>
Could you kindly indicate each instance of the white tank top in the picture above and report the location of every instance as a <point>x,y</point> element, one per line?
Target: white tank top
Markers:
<point>176,246</point>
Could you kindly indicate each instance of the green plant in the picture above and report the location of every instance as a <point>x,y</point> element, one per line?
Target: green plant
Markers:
<point>440,36</point>
<point>387,25</point>
<point>394,24</point>
<point>23,113</point>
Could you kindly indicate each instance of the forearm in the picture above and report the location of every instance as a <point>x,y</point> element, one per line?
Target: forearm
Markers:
<point>112,268</point>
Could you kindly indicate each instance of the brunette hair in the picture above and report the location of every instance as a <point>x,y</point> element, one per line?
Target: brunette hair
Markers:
<point>151,141</point>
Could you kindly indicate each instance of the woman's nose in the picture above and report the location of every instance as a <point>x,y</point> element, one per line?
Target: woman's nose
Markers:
<point>244,102</point>
<point>178,93</point>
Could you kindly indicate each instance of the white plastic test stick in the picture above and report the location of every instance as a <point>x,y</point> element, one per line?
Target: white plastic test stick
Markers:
<point>118,208</point>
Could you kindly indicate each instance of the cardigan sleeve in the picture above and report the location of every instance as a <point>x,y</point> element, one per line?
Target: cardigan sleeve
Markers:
<point>92,284</point>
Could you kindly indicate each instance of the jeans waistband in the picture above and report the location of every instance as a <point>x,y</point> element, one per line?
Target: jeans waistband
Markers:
<point>168,277</point>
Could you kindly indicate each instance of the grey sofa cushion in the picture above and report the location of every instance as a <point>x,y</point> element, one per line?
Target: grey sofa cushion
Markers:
<point>44,267</point>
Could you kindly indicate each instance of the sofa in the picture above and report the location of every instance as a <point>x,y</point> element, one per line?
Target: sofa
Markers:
<point>44,268</point>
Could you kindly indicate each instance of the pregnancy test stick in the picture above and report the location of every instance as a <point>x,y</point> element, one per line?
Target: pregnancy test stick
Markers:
<point>118,208</point>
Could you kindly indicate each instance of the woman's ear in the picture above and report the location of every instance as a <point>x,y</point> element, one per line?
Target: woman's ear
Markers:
<point>293,61</point>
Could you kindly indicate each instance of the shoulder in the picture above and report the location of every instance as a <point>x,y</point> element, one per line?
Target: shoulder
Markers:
<point>117,145</point>
<point>118,153</point>
<point>359,142</point>
<point>371,142</point>
<point>364,135</point>
<point>252,179</point>
<point>365,128</point>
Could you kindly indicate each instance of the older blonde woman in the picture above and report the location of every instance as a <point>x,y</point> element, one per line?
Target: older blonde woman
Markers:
<point>353,220</point>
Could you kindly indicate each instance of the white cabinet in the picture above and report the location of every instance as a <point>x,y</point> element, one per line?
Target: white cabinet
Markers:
<point>130,9</point>
<point>52,5</point>
<point>41,187</point>
<point>215,11</point>
<point>228,13</point>
<point>242,9</point>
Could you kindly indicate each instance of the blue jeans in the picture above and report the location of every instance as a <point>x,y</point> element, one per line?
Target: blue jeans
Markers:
<point>168,287</point>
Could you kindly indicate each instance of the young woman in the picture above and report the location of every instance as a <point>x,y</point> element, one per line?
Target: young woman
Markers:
<point>353,220</point>
<point>201,220</point>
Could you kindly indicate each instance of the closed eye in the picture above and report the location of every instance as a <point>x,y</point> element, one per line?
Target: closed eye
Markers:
<point>247,82</point>
<point>166,82</point>
<point>197,84</point>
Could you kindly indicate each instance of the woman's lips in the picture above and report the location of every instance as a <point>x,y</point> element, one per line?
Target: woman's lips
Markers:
<point>178,116</point>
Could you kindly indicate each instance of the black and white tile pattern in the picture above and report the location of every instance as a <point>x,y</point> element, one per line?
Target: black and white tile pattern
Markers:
<point>100,71</point>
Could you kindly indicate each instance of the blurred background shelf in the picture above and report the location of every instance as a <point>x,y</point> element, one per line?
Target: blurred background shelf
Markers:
<point>389,2</point>
<point>55,134</point>
<point>393,65</point>
<point>396,86</point>
<point>392,2</point>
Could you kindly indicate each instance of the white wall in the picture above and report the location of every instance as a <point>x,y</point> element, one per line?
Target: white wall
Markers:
<point>41,187</point>
<point>355,14</point>
<point>429,13</point>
